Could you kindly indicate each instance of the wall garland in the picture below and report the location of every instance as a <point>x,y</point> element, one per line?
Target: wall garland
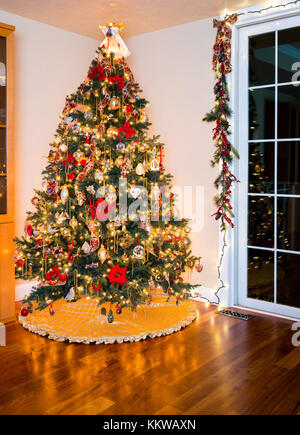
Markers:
<point>220,114</point>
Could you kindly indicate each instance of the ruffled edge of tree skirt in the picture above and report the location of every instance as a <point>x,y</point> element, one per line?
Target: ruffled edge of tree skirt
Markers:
<point>40,324</point>
<point>110,340</point>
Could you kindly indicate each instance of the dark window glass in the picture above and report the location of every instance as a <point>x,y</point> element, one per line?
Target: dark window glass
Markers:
<point>288,223</point>
<point>288,54</point>
<point>288,284</point>
<point>288,168</point>
<point>261,221</point>
<point>288,112</point>
<point>261,275</point>
<point>261,167</point>
<point>261,113</point>
<point>262,59</point>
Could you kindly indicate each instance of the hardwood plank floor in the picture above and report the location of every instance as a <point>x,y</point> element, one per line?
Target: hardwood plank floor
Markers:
<point>217,365</point>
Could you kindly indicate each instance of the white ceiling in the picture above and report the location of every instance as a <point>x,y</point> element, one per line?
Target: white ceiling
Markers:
<point>140,16</point>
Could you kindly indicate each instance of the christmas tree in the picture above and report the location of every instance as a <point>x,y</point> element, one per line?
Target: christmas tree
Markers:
<point>105,223</point>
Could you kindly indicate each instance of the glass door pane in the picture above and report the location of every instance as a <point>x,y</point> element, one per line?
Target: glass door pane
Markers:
<point>274,168</point>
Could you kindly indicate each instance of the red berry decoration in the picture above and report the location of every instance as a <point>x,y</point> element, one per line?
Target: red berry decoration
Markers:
<point>24,312</point>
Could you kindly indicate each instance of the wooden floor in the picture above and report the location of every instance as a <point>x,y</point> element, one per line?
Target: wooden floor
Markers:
<point>217,365</point>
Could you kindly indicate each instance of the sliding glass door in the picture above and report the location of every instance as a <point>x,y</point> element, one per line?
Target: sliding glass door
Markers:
<point>269,140</point>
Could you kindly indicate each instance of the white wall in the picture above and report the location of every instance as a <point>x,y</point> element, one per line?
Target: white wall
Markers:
<point>173,67</point>
<point>49,64</point>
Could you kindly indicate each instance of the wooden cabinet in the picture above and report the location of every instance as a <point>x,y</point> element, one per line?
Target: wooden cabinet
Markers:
<point>7,282</point>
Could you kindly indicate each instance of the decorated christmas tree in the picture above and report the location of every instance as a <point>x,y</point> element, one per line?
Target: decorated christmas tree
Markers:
<point>105,224</point>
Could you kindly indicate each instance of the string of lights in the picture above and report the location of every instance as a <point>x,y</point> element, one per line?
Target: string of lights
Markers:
<point>266,9</point>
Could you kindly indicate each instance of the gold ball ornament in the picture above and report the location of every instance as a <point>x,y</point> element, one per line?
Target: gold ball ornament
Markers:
<point>142,147</point>
<point>65,232</point>
<point>114,103</point>
<point>119,161</point>
<point>110,226</point>
<point>112,131</point>
<point>73,222</point>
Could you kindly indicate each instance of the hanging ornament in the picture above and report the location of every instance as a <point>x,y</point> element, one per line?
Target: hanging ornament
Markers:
<point>140,169</point>
<point>110,317</point>
<point>142,147</point>
<point>118,309</point>
<point>143,118</point>
<point>60,218</point>
<point>79,155</point>
<point>114,103</point>
<point>51,310</point>
<point>135,192</point>
<point>125,258</point>
<point>119,161</point>
<point>35,201</point>
<point>112,131</point>
<point>198,265</point>
<point>138,251</point>
<point>117,221</point>
<point>185,242</point>
<point>110,226</point>
<point>64,195</point>
<point>73,222</point>
<point>88,115</point>
<point>97,153</point>
<point>99,176</point>
<point>90,189</point>
<point>102,254</point>
<point>87,140</point>
<point>120,147</point>
<point>188,229</point>
<point>94,244</point>
<point>86,248</point>
<point>63,148</point>
<point>24,311</point>
<point>154,164</point>
<point>65,232</point>
<point>70,296</point>
<point>126,241</point>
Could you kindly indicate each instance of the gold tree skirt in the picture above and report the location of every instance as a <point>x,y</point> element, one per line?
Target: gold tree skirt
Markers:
<point>82,322</point>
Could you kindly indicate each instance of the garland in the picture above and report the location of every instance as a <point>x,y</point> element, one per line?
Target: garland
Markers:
<point>220,114</point>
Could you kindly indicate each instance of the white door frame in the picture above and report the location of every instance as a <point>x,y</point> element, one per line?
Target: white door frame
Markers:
<point>234,265</point>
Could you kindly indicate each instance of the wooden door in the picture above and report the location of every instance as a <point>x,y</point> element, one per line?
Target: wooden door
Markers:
<point>7,282</point>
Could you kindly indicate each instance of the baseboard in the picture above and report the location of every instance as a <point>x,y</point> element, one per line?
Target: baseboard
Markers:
<point>23,289</point>
<point>204,294</point>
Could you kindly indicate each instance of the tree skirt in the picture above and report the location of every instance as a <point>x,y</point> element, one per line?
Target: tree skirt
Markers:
<point>82,321</point>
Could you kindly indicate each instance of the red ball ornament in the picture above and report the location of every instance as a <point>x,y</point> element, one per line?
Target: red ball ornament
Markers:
<point>20,263</point>
<point>71,176</point>
<point>29,230</point>
<point>63,277</point>
<point>24,312</point>
<point>83,162</point>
